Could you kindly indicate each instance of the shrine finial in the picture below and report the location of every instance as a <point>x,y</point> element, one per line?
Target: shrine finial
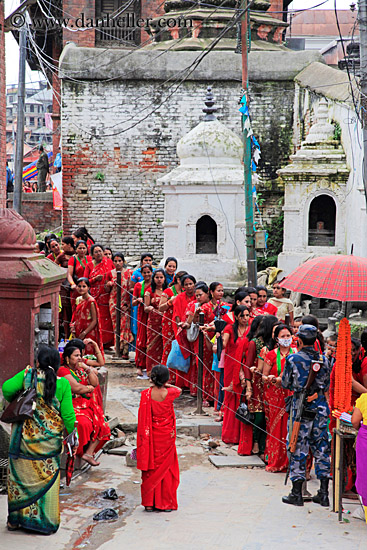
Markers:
<point>209,110</point>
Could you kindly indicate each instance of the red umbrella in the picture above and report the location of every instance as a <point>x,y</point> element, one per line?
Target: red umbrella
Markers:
<point>336,277</point>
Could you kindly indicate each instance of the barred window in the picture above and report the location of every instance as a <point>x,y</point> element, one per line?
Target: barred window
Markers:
<point>117,23</point>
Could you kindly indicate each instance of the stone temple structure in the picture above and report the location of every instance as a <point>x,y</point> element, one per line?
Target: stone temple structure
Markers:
<point>315,207</point>
<point>204,209</point>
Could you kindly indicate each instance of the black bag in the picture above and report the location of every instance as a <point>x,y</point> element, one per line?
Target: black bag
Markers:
<point>65,284</point>
<point>242,413</point>
<point>23,405</point>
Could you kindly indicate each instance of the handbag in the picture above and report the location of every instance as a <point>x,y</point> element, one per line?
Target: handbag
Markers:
<point>192,332</point>
<point>176,360</point>
<point>243,414</point>
<point>23,405</point>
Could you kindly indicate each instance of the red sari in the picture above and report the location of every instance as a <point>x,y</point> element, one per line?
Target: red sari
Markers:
<point>156,451</point>
<point>125,308</point>
<point>78,271</point>
<point>277,418</point>
<point>266,309</point>
<point>141,336</point>
<point>98,291</point>
<point>154,332</point>
<point>208,376</point>
<point>82,317</point>
<point>168,333</point>
<point>183,380</point>
<point>233,430</point>
<point>89,414</point>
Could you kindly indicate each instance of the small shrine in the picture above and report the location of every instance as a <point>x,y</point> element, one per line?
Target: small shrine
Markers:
<point>315,212</point>
<point>204,201</point>
<point>29,295</point>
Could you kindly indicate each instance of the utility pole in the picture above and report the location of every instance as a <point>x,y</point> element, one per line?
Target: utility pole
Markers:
<point>362,19</point>
<point>249,206</point>
<point>18,167</point>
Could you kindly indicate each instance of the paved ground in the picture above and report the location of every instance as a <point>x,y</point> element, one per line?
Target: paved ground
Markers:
<point>218,508</point>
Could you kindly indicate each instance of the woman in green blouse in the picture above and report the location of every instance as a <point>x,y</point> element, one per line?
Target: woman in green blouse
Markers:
<point>36,446</point>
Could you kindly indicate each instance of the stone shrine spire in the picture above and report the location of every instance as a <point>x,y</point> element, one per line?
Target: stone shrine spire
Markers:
<point>210,109</point>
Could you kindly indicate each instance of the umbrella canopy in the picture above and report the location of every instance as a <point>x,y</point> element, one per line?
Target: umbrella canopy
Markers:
<point>337,277</point>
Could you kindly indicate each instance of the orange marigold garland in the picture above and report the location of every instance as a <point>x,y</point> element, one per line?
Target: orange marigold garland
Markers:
<point>343,368</point>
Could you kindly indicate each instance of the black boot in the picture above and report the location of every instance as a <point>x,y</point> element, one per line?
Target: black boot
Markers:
<point>322,496</point>
<point>295,496</point>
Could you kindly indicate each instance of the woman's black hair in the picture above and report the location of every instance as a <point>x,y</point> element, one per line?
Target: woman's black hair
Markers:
<point>170,259</point>
<point>81,242</point>
<point>278,328</point>
<point>96,245</point>
<point>49,362</point>
<point>237,311</point>
<point>69,241</point>
<point>52,241</point>
<point>68,351</point>
<point>119,255</point>
<point>212,288</point>
<point>108,248</point>
<point>187,276</point>
<point>357,364</point>
<point>159,375</point>
<point>153,284</point>
<point>83,280</point>
<point>145,255</point>
<point>41,245</point>
<point>201,285</point>
<point>240,289</point>
<point>238,297</point>
<point>178,275</point>
<point>82,234</point>
<point>258,288</point>
<point>254,326</point>
<point>48,238</point>
<point>75,343</point>
<point>312,320</point>
<point>266,328</point>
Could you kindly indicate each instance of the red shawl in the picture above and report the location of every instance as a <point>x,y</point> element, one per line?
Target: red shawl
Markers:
<point>179,310</point>
<point>82,318</point>
<point>145,449</point>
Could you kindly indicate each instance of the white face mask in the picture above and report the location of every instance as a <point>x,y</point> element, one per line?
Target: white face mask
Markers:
<point>285,342</point>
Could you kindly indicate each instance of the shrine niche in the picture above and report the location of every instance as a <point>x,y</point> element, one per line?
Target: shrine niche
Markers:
<point>206,236</point>
<point>321,221</point>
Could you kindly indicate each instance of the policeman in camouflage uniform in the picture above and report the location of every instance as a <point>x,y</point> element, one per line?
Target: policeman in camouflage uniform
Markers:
<point>313,433</point>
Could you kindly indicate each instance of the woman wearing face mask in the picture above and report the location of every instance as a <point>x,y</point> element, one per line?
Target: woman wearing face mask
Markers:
<point>152,298</point>
<point>202,305</point>
<point>125,333</point>
<point>276,448</point>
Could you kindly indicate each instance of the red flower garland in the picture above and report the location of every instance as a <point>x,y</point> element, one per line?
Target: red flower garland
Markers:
<point>343,368</point>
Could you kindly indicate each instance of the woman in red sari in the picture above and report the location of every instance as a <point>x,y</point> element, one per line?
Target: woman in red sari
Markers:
<point>156,444</point>
<point>93,431</point>
<point>125,333</point>
<point>76,268</point>
<point>141,336</point>
<point>236,377</point>
<point>97,272</point>
<point>166,308</point>
<point>152,298</point>
<point>55,249</point>
<point>179,318</point>
<point>85,320</point>
<point>202,305</point>
<point>276,448</point>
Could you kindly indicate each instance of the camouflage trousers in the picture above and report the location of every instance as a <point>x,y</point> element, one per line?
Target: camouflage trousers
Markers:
<point>313,434</point>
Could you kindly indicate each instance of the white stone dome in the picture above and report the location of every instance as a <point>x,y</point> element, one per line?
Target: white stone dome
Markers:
<point>210,143</point>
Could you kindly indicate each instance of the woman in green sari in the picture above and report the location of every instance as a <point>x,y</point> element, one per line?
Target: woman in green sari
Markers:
<point>36,446</point>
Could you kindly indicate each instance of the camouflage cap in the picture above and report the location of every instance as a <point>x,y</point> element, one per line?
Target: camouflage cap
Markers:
<point>308,332</point>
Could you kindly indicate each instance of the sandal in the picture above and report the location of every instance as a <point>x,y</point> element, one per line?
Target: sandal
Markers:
<point>90,459</point>
<point>11,527</point>
<point>149,509</point>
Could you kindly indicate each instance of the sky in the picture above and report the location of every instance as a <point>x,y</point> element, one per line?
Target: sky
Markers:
<point>12,50</point>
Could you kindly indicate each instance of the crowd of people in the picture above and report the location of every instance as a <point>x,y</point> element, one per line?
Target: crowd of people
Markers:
<point>255,352</point>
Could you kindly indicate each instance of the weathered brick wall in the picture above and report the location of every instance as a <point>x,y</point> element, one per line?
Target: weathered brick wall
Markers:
<point>37,209</point>
<point>2,111</point>
<point>110,183</point>
<point>73,9</point>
